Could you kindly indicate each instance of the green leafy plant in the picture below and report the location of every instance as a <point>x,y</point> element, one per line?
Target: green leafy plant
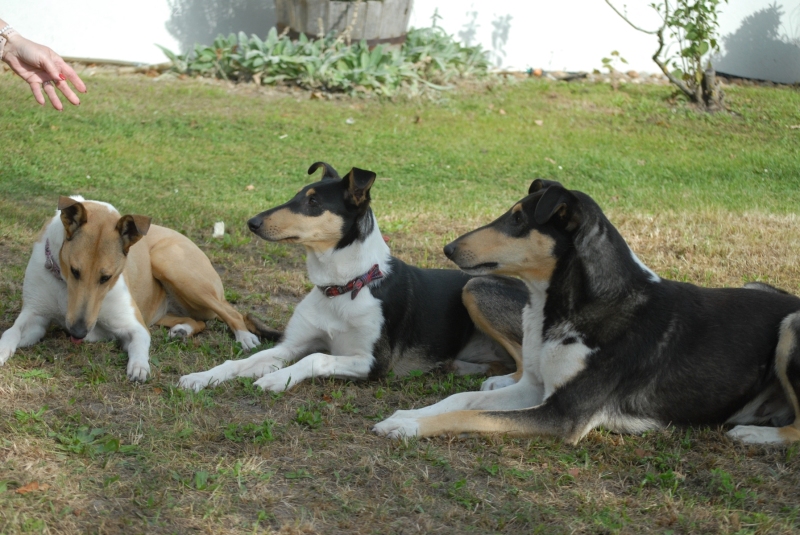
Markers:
<point>611,65</point>
<point>256,433</point>
<point>310,414</point>
<point>429,58</point>
<point>90,442</point>
<point>693,25</point>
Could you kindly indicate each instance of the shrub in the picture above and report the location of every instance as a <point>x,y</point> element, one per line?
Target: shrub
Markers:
<point>429,58</point>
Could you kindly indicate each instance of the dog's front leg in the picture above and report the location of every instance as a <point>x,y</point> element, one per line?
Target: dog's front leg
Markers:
<point>318,365</point>
<point>136,342</point>
<point>255,365</point>
<point>550,419</point>
<point>521,395</point>
<point>28,329</point>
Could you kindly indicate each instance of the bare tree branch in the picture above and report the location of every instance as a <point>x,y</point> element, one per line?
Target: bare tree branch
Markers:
<point>677,82</point>
<point>632,25</point>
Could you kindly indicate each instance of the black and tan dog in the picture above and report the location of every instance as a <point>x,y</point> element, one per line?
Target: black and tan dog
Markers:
<point>609,343</point>
<point>369,311</point>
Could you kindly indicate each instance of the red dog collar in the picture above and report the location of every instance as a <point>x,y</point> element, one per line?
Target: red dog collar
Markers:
<point>355,285</point>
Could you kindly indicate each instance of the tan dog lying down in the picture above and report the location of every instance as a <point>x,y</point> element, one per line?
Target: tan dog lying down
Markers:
<point>102,276</point>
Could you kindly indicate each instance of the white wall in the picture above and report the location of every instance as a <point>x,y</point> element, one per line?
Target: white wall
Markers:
<point>576,34</point>
<point>561,35</point>
<point>101,29</point>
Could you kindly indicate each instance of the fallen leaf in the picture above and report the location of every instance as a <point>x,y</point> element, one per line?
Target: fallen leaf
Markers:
<point>249,187</point>
<point>157,391</point>
<point>574,472</point>
<point>30,487</point>
<point>639,452</point>
<point>502,111</point>
<point>538,122</point>
<point>550,160</point>
<point>327,398</point>
<point>795,127</point>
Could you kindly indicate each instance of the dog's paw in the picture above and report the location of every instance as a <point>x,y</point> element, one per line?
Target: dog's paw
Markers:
<point>397,428</point>
<point>6,352</point>
<point>277,381</point>
<point>247,339</point>
<point>497,382</point>
<point>138,370</point>
<point>755,434</point>
<point>196,381</point>
<point>182,329</point>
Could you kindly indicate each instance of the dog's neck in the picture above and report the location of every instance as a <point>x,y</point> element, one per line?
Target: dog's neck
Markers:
<point>338,266</point>
<point>601,268</point>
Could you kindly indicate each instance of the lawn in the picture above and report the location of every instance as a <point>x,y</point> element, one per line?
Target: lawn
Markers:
<point>711,199</point>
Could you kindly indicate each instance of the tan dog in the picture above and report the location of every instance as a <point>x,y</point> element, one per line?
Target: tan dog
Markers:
<point>105,276</point>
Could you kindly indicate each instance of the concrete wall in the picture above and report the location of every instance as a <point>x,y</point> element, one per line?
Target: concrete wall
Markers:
<point>760,38</point>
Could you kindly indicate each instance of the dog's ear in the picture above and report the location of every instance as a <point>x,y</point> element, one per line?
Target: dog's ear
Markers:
<point>556,201</point>
<point>358,181</point>
<point>540,183</point>
<point>329,173</point>
<point>132,228</point>
<point>73,215</point>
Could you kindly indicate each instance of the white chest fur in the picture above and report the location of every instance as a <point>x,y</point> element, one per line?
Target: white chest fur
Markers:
<point>550,359</point>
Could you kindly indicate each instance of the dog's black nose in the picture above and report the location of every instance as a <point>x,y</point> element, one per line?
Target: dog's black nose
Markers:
<point>449,249</point>
<point>254,223</point>
<point>78,330</point>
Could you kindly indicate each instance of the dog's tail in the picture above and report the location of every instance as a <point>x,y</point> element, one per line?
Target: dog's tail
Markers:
<point>261,329</point>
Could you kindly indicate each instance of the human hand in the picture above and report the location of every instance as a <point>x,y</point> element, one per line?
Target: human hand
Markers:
<point>43,69</point>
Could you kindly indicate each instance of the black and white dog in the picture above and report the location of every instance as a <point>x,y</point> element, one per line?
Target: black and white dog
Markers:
<point>609,343</point>
<point>370,312</point>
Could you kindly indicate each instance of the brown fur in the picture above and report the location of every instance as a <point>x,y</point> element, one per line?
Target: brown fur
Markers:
<point>153,261</point>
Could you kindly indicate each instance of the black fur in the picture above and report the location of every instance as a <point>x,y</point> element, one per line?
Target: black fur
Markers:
<point>660,351</point>
<point>665,350</point>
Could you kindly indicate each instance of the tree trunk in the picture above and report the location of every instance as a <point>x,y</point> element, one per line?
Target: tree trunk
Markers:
<point>713,97</point>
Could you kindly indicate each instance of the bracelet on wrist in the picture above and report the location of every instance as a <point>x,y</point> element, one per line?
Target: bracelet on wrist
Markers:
<point>4,34</point>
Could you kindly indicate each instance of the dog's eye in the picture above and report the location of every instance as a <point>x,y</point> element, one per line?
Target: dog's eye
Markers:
<point>105,278</point>
<point>516,218</point>
<point>312,200</point>
<point>75,273</point>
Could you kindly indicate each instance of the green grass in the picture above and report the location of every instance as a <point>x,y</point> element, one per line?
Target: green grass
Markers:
<point>688,190</point>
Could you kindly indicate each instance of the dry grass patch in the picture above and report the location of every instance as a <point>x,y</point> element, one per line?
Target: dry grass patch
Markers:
<point>108,456</point>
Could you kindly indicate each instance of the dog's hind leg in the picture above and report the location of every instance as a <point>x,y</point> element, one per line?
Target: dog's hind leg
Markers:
<point>787,369</point>
<point>196,286</point>
<point>183,327</point>
<point>495,305</point>
<point>28,329</point>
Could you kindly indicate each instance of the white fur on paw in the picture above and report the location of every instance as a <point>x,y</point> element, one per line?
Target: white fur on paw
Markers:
<point>247,339</point>
<point>182,329</point>
<point>278,381</point>
<point>497,382</point>
<point>396,428</point>
<point>6,352</point>
<point>138,370</point>
<point>196,381</point>
<point>754,434</point>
